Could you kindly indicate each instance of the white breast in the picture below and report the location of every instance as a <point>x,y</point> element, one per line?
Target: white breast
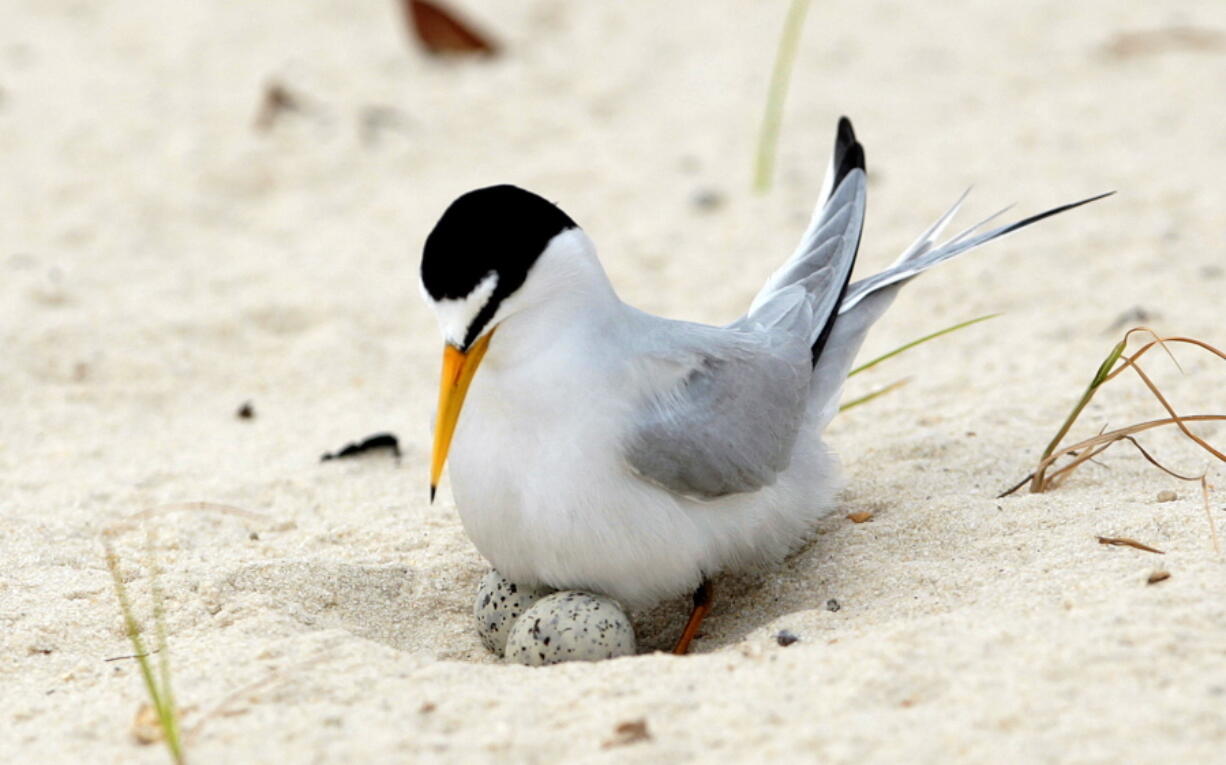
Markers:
<point>545,495</point>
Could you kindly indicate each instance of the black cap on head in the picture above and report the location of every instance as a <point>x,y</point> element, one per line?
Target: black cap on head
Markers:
<point>499,229</point>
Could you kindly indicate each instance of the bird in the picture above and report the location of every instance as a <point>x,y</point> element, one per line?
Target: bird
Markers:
<point>607,449</point>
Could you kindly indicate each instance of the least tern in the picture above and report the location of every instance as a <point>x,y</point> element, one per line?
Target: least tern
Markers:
<point>606,449</point>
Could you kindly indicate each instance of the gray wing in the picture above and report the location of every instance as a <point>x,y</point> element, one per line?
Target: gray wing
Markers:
<point>822,263</point>
<point>729,421</point>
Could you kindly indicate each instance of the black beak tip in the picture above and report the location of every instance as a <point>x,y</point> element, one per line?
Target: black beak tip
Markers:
<point>433,490</point>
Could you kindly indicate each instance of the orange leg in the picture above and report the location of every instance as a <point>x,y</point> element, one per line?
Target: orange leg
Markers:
<point>703,597</point>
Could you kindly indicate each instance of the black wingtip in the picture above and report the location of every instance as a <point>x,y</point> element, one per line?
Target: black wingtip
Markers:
<point>848,156</point>
<point>847,134</point>
<point>848,153</point>
<point>1048,213</point>
<point>433,489</point>
<point>853,159</point>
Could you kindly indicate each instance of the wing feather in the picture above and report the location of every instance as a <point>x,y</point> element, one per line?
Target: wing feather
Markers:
<point>729,424</point>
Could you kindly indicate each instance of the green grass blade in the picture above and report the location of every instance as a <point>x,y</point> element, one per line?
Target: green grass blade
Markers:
<point>131,626</point>
<point>869,397</point>
<point>167,713</point>
<point>785,58</point>
<point>924,339</point>
<point>159,695</point>
<point>1104,369</point>
<point>1100,377</point>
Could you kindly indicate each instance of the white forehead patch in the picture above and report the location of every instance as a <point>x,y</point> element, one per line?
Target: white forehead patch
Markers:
<point>455,315</point>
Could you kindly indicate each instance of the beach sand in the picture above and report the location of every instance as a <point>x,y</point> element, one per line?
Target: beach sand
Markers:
<point>164,259</point>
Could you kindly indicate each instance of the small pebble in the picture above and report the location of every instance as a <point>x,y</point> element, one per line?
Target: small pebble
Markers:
<point>785,638</point>
<point>1133,316</point>
<point>499,603</point>
<point>570,626</point>
<point>707,200</point>
<point>1166,495</point>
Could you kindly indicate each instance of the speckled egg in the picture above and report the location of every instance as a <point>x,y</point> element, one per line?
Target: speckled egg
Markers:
<point>499,603</point>
<point>570,626</point>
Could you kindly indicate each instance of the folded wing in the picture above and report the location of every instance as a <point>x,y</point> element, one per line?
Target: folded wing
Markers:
<point>728,419</point>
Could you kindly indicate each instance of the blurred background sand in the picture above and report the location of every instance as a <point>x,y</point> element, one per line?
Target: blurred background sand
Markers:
<point>163,259</point>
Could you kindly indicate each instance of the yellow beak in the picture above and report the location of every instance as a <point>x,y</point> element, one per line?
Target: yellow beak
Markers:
<point>458,370</point>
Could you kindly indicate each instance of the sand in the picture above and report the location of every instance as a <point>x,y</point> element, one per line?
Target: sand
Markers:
<point>164,260</point>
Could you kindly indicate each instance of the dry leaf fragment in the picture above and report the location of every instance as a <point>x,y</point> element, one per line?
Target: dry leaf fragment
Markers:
<point>629,732</point>
<point>1158,576</point>
<point>379,441</point>
<point>1125,542</point>
<point>860,516</point>
<point>442,33</point>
